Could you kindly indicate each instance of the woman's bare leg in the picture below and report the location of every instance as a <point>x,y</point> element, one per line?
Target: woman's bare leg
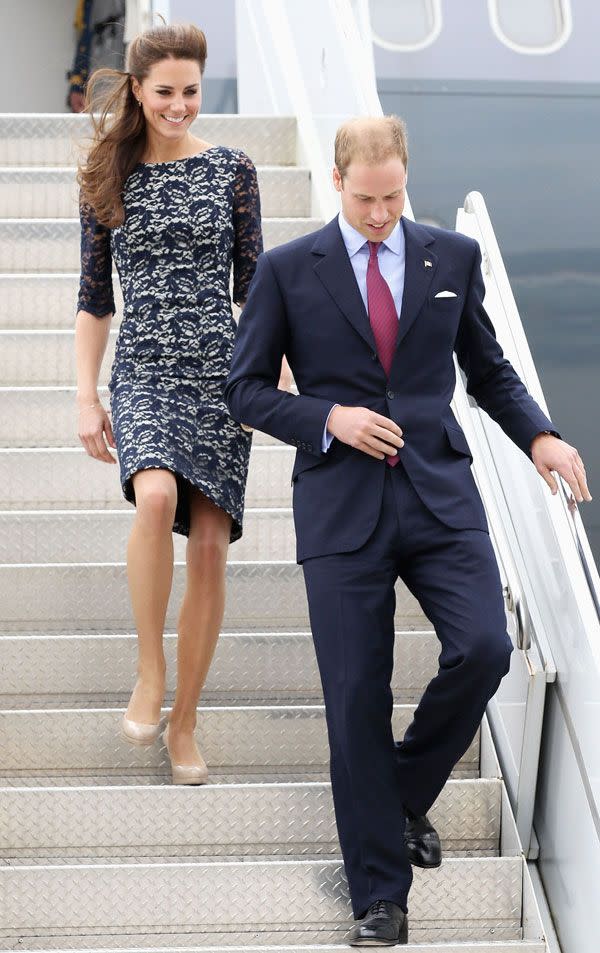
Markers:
<point>150,575</point>
<point>200,619</point>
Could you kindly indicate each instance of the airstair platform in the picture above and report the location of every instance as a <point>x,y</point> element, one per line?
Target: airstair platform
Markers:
<point>97,849</point>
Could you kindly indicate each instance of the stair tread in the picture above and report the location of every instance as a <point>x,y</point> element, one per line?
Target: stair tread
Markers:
<point>468,897</point>
<point>220,943</point>
<point>97,943</point>
<point>235,820</point>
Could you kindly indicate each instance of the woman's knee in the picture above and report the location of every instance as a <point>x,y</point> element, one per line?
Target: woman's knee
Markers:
<point>155,497</point>
<point>207,551</point>
<point>210,530</point>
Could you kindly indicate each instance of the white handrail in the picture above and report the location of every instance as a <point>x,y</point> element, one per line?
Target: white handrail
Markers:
<point>565,518</point>
<point>489,480</point>
<point>548,543</point>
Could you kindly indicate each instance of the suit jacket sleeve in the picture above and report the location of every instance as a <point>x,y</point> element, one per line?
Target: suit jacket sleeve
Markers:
<point>491,379</point>
<point>251,391</point>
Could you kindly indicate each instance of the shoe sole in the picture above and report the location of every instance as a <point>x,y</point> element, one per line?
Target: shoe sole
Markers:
<point>401,941</point>
<point>398,942</point>
<point>196,781</point>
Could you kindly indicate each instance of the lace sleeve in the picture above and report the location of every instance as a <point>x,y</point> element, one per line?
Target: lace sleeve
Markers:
<point>248,242</point>
<point>95,284</point>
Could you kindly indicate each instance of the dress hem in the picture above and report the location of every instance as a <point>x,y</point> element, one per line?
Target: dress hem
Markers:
<point>181,523</point>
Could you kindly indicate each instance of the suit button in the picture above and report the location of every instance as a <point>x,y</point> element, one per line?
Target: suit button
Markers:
<point>309,446</point>
<point>374,356</point>
<point>390,395</point>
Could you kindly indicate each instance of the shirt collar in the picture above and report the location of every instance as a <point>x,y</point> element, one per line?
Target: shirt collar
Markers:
<point>354,241</point>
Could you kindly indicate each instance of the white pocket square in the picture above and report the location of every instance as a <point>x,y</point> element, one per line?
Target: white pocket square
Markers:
<point>446,294</point>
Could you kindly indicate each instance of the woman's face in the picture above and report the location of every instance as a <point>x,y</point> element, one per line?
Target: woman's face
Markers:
<point>171,96</point>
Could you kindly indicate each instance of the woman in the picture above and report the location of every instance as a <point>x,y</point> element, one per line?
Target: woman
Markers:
<point>175,212</point>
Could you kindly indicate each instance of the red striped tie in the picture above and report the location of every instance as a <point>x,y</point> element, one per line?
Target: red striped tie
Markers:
<point>382,315</point>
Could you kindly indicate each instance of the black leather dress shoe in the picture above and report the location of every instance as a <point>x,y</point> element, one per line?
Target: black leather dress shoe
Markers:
<point>384,924</point>
<point>422,841</point>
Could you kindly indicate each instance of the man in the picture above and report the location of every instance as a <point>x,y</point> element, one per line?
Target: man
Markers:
<point>369,310</point>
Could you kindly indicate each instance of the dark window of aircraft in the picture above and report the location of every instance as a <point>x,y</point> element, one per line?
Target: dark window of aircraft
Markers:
<point>407,25</point>
<point>537,26</point>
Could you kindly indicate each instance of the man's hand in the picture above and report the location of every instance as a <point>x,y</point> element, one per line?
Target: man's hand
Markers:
<point>76,101</point>
<point>549,453</point>
<point>365,430</point>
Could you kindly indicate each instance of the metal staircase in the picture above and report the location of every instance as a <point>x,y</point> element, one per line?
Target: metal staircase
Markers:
<point>97,848</point>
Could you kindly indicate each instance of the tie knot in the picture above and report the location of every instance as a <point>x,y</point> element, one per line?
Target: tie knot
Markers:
<point>373,249</point>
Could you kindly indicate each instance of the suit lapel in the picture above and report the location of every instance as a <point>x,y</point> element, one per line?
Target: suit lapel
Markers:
<point>417,274</point>
<point>334,270</point>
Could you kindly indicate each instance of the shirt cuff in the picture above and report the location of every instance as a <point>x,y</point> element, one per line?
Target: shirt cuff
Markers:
<point>327,437</point>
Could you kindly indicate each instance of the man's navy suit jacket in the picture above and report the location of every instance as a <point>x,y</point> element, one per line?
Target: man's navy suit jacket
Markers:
<point>304,302</point>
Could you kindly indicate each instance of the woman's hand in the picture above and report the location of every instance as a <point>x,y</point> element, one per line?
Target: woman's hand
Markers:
<point>95,431</point>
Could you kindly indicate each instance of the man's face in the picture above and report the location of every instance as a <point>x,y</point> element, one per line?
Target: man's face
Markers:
<point>372,196</point>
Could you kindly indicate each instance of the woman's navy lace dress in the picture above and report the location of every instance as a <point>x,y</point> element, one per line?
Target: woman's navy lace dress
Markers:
<point>186,223</point>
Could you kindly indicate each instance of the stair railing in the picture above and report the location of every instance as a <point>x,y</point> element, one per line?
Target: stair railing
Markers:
<point>551,557</point>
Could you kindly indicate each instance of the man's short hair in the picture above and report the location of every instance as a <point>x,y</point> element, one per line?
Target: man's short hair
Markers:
<point>370,139</point>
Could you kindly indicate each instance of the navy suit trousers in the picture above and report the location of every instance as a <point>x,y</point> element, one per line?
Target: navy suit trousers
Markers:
<point>454,575</point>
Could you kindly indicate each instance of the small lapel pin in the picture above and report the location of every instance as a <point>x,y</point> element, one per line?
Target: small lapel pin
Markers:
<point>427,263</point>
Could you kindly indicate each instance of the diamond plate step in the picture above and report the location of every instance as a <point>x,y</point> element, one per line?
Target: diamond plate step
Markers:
<point>67,478</point>
<point>473,898</point>
<point>47,139</point>
<point>45,358</point>
<point>44,245</point>
<point>227,819</point>
<point>57,944</point>
<point>51,670</point>
<point>67,536</point>
<point>44,301</point>
<point>59,742</point>
<point>47,417</point>
<point>94,597</point>
<point>53,193</point>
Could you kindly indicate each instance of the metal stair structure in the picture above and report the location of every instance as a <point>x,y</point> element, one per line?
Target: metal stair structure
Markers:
<point>97,849</point>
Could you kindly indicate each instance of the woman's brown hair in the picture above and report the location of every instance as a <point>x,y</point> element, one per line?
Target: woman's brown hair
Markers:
<point>119,126</point>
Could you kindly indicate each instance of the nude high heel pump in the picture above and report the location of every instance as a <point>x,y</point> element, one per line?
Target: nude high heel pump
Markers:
<point>186,773</point>
<point>137,733</point>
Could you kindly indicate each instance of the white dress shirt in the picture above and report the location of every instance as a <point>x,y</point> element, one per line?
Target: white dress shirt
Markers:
<point>391,258</point>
